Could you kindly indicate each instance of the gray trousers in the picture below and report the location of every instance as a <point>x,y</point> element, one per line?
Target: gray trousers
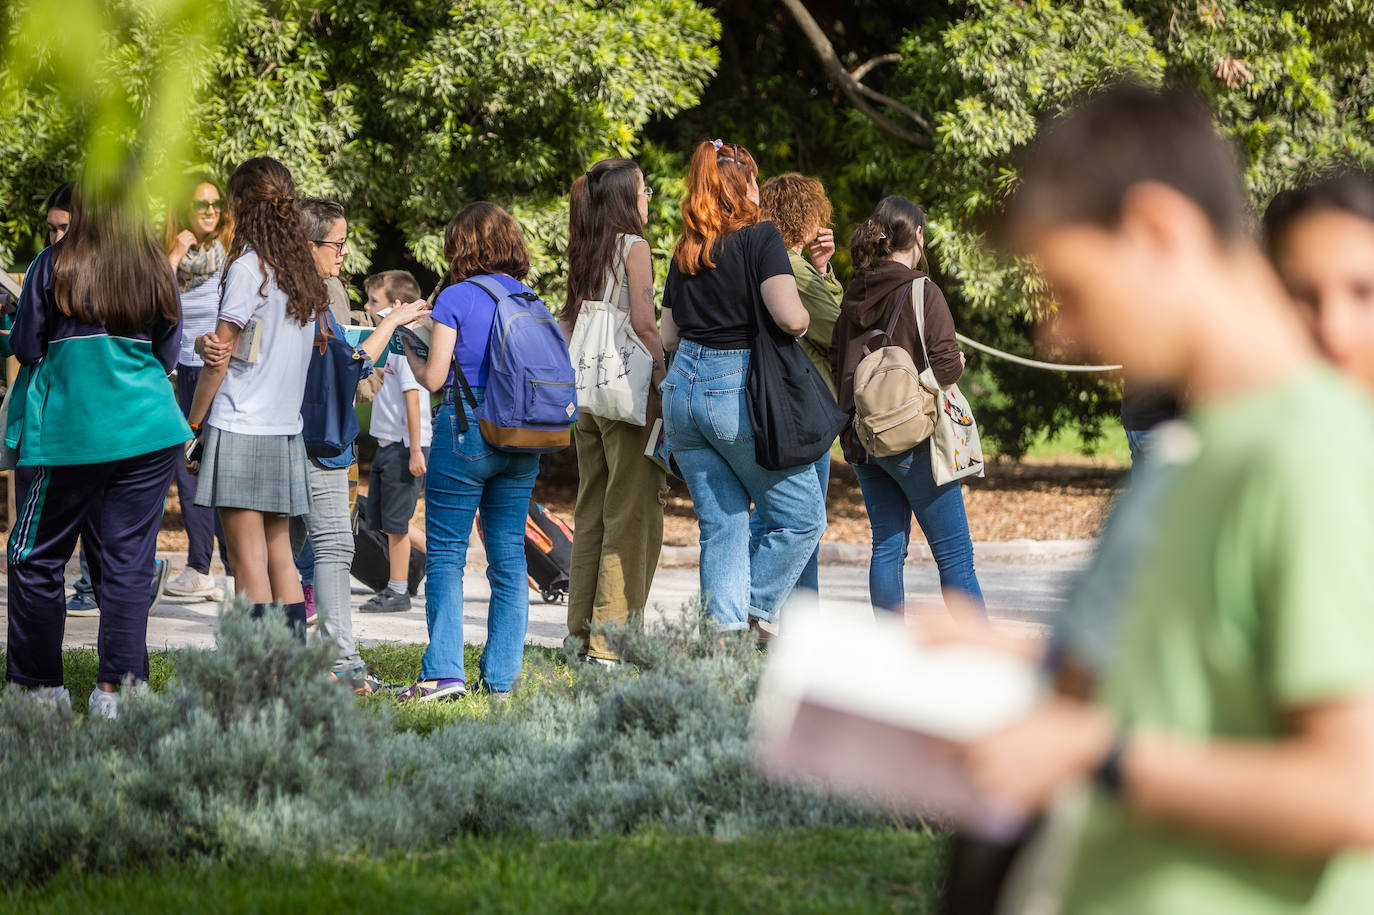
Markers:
<point>331,535</point>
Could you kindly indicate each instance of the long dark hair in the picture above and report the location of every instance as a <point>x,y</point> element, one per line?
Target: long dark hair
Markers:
<point>1350,192</point>
<point>109,269</point>
<point>604,206</point>
<point>717,201</point>
<point>892,227</point>
<point>262,199</point>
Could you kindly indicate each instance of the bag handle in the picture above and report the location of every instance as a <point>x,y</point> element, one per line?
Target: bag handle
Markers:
<point>918,302</point>
<point>619,265</point>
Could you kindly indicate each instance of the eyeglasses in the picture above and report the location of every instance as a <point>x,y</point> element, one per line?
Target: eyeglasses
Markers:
<point>340,247</point>
<point>205,206</point>
<point>648,192</point>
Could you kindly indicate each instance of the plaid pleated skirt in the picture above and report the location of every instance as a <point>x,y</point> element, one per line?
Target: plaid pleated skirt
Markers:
<point>266,473</point>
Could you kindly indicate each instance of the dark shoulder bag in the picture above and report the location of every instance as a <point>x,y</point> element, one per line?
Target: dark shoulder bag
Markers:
<point>795,418</point>
<point>329,423</point>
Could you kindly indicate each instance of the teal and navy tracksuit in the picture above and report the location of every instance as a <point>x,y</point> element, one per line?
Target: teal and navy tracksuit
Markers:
<point>98,431</point>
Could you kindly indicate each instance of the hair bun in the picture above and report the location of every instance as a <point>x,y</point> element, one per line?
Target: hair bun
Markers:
<point>283,203</point>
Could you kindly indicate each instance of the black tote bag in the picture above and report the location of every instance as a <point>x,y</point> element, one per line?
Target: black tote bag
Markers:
<point>795,417</point>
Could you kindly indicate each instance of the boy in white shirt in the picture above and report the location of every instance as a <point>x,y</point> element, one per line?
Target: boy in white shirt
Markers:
<point>402,425</point>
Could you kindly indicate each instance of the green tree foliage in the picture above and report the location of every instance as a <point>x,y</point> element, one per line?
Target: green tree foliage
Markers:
<point>405,111</point>
<point>1290,82</point>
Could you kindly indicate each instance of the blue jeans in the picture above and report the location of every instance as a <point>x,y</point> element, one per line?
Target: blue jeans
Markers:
<point>467,474</point>
<point>810,577</point>
<point>894,489</point>
<point>706,420</point>
<point>305,562</point>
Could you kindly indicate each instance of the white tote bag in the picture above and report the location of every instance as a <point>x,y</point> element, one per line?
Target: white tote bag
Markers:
<point>613,366</point>
<point>955,450</point>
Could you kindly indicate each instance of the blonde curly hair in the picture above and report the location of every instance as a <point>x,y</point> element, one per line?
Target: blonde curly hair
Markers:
<point>797,205</point>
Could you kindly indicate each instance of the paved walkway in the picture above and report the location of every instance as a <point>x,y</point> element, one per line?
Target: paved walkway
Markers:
<point>1022,588</point>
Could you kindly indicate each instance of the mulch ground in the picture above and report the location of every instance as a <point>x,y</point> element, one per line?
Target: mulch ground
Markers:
<point>1026,499</point>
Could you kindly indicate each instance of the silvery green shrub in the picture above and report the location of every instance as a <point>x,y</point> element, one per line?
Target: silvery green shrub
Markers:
<point>251,753</point>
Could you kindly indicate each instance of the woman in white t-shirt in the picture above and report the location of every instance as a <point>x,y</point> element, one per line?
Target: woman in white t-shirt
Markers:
<point>247,414</point>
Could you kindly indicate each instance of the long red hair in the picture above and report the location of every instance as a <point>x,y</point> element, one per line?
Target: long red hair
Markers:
<point>717,201</point>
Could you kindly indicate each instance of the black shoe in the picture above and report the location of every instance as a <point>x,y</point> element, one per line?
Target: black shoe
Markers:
<point>386,601</point>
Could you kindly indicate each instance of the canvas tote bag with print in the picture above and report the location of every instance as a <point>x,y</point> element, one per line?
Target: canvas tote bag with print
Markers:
<point>955,450</point>
<point>613,366</point>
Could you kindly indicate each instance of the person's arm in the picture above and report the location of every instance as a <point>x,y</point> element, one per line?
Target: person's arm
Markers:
<point>784,305</point>
<point>433,372</point>
<point>639,273</point>
<point>400,315</point>
<point>28,335</point>
<point>1310,794</point>
<point>668,331</point>
<point>417,452</point>
<point>820,295</point>
<point>946,359</point>
<point>212,375</point>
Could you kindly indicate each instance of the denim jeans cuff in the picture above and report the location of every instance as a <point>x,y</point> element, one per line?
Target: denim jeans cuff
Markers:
<point>734,626</point>
<point>756,614</point>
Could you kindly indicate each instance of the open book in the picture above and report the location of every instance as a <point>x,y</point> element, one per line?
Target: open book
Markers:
<point>856,705</point>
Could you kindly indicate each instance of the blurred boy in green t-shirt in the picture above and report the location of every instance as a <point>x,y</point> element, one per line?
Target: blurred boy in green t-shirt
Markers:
<point>1231,732</point>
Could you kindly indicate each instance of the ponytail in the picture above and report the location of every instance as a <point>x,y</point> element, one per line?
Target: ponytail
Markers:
<point>894,226</point>
<point>717,201</point>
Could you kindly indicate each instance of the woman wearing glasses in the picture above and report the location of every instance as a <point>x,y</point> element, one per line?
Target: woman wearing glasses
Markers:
<point>619,517</point>
<point>196,239</point>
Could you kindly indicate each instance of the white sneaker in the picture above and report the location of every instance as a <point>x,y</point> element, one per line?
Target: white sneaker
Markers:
<point>191,583</point>
<point>103,704</point>
<point>57,695</point>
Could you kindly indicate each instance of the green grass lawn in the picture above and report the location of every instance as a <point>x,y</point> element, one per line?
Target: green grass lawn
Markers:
<point>809,871</point>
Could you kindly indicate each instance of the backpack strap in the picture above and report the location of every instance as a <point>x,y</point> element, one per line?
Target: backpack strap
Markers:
<point>868,339</point>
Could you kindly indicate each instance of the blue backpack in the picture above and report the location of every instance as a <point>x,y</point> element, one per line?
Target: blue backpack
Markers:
<point>531,397</point>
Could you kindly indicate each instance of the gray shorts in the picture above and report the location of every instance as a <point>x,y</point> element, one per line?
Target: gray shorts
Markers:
<point>391,489</point>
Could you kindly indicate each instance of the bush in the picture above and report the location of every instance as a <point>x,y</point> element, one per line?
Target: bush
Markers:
<point>251,754</point>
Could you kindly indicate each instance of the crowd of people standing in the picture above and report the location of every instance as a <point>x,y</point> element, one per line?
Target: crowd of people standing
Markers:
<point>1219,631</point>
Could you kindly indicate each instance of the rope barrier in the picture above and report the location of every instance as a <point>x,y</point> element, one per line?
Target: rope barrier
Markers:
<point>1033,363</point>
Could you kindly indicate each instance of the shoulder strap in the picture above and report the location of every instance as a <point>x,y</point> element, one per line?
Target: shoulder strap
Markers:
<point>476,281</point>
<point>918,302</point>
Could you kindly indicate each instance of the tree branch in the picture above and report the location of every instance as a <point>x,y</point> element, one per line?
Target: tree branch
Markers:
<point>857,92</point>
<point>863,69</point>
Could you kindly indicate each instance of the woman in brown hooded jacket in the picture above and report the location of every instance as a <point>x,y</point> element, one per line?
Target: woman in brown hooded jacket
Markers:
<point>888,252</point>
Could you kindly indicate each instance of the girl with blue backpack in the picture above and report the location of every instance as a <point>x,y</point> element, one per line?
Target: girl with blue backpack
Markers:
<point>508,394</point>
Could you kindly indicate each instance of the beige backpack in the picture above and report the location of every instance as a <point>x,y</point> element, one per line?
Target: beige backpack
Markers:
<point>893,411</point>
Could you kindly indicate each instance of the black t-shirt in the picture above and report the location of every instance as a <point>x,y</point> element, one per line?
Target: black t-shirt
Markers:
<point>715,306</point>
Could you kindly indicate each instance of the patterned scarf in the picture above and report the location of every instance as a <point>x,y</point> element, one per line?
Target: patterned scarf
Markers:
<point>199,265</point>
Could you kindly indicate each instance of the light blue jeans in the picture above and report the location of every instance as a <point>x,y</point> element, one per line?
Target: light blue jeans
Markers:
<point>466,474</point>
<point>707,425</point>
<point>895,489</point>
<point>810,577</point>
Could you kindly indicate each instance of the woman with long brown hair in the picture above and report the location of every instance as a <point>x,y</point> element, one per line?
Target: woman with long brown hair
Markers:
<point>97,429</point>
<point>619,516</point>
<point>196,240</point>
<point>728,267</point>
<point>247,414</point>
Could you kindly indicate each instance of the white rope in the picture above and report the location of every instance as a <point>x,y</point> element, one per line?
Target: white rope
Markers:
<point>1036,364</point>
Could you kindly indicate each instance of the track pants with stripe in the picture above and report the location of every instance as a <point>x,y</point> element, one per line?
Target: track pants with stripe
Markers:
<point>116,507</point>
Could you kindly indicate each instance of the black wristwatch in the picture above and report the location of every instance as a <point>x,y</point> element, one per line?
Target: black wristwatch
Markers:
<point>1109,773</point>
